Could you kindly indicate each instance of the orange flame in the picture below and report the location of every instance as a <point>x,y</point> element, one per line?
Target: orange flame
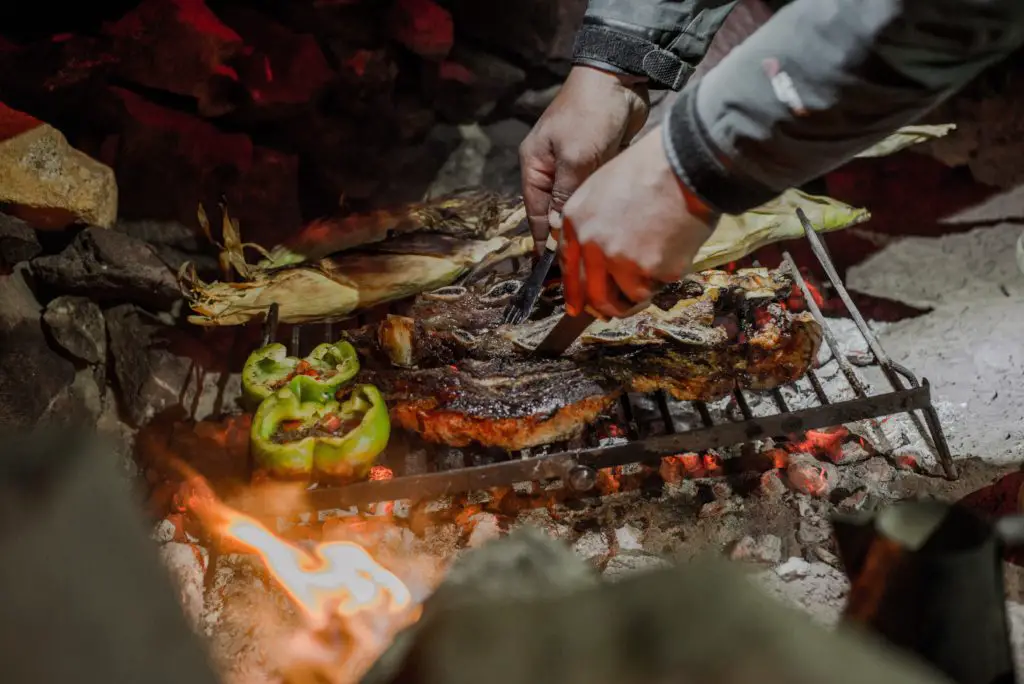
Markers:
<point>337,578</point>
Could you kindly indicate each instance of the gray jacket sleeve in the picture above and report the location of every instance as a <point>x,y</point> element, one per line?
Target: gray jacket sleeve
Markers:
<point>822,81</point>
<point>661,40</point>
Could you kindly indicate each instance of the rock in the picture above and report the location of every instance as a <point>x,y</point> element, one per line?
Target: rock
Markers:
<point>35,375</point>
<point>158,367</point>
<point>469,83</point>
<point>764,549</point>
<point>807,475</point>
<point>108,265</point>
<point>174,243</point>
<point>159,149</point>
<point>18,242</point>
<point>46,181</point>
<point>423,27</point>
<point>76,324</point>
<point>79,404</point>
<point>280,69</point>
<point>531,103</point>
<point>181,47</point>
<point>592,546</point>
<point>540,31</point>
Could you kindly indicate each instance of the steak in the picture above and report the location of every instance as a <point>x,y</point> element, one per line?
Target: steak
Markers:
<point>453,374</point>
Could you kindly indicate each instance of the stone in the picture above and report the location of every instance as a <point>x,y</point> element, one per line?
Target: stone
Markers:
<point>281,70</point>
<point>763,549</point>
<point>181,47</point>
<point>76,324</point>
<point>109,266</point>
<point>530,104</point>
<point>18,242</point>
<point>46,181</point>
<point>174,243</point>
<point>539,31</point>
<point>422,26</point>
<point>35,375</point>
<point>76,405</point>
<point>468,84</point>
<point>159,148</point>
<point>159,367</point>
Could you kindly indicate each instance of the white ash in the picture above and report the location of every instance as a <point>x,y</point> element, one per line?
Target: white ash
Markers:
<point>485,528</point>
<point>816,588</point>
<point>970,345</point>
<point>163,532</point>
<point>592,546</point>
<point>762,549</point>
<point>627,538</point>
<point>187,565</point>
<point>629,563</point>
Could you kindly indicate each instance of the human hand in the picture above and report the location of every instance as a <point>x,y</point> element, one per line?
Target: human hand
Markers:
<point>594,115</point>
<point>630,227</point>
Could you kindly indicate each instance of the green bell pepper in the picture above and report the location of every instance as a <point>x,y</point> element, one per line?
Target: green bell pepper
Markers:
<point>327,368</point>
<point>295,435</point>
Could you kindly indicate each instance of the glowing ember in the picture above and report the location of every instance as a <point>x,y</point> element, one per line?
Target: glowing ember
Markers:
<point>339,578</point>
<point>828,443</point>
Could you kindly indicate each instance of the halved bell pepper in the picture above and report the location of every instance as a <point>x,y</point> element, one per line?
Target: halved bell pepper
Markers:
<point>295,434</point>
<point>326,369</point>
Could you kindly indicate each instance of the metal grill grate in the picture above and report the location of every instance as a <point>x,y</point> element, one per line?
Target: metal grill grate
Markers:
<point>655,425</point>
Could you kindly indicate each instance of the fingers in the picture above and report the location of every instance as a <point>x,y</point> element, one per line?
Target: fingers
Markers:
<point>537,174</point>
<point>569,262</point>
<point>636,285</point>
<point>602,292</point>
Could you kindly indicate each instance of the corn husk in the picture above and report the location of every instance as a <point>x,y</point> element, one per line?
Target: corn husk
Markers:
<point>333,288</point>
<point>737,236</point>
<point>336,287</point>
<point>906,137</point>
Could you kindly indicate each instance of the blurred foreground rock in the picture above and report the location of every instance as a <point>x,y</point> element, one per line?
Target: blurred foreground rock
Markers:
<point>700,622</point>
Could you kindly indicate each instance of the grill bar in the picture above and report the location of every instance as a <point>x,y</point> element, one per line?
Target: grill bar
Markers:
<point>425,473</point>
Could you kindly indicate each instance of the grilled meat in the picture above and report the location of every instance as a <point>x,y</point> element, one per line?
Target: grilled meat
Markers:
<point>456,376</point>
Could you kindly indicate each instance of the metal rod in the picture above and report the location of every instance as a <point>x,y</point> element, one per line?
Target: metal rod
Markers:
<point>818,247</point>
<point>627,412</point>
<point>270,325</point>
<point>705,415</point>
<point>650,450</point>
<point>666,412</point>
<point>941,446</point>
<point>818,389</point>
<point>295,340</point>
<point>329,332</point>
<point>780,401</point>
<point>741,401</point>
<point>830,339</point>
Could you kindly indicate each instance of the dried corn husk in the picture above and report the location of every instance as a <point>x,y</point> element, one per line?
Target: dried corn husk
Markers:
<point>334,288</point>
<point>906,137</point>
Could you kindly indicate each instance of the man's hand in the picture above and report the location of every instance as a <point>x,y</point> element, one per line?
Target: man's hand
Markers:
<point>594,115</point>
<point>630,227</point>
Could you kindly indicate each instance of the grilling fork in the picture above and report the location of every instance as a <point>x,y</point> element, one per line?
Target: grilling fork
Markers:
<point>521,306</point>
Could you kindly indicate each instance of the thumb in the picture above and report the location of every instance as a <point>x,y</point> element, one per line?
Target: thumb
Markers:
<point>570,172</point>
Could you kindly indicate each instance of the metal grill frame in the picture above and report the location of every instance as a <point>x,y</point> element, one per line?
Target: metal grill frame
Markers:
<point>577,467</point>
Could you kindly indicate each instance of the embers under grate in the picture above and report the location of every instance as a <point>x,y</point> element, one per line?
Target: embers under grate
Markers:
<point>655,426</point>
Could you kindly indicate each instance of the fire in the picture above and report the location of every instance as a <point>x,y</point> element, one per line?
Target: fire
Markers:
<point>338,579</point>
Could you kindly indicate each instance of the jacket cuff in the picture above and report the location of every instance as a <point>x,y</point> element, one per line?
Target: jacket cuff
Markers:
<point>702,167</point>
<point>631,54</point>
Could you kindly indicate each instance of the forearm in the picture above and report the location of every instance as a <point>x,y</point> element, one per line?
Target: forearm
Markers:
<point>659,40</point>
<point>820,82</point>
